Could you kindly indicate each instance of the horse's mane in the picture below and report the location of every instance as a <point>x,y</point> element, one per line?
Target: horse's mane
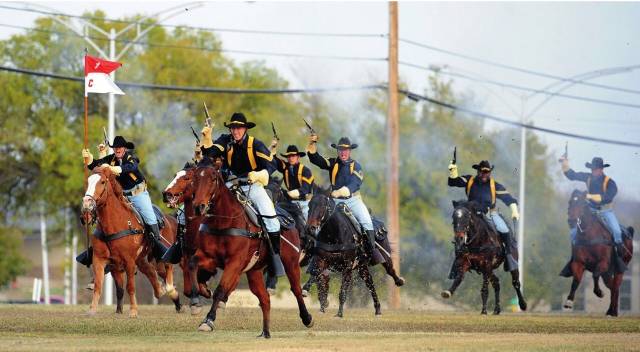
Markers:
<point>115,185</point>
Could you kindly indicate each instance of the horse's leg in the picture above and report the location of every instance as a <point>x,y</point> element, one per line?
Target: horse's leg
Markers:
<point>464,267</point>
<point>152,274</point>
<point>322,279</point>
<point>344,288</point>
<point>118,278</point>
<point>388,267</point>
<point>292,269</point>
<point>98,277</point>
<point>171,289</point>
<point>615,294</point>
<point>596,286</point>
<point>365,274</point>
<point>484,292</point>
<point>228,282</point>
<point>515,281</point>
<point>578,270</point>
<point>257,287</point>
<point>495,282</point>
<point>131,288</point>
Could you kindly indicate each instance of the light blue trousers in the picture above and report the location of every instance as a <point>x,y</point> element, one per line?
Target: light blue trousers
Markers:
<point>498,222</point>
<point>359,210</point>
<point>265,206</point>
<point>181,217</point>
<point>610,219</point>
<point>304,206</point>
<point>142,203</point>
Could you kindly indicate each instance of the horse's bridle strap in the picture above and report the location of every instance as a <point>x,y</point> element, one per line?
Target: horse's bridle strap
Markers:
<point>114,236</point>
<point>228,232</point>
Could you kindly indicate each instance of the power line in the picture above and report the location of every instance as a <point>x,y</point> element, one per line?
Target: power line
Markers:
<point>201,48</point>
<point>416,97</point>
<point>199,89</point>
<point>517,69</point>
<point>522,88</point>
<point>210,29</point>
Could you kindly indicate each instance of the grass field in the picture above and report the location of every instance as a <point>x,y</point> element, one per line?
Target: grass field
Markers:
<point>158,328</point>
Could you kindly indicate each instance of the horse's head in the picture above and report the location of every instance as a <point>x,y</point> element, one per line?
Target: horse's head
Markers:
<point>179,189</point>
<point>95,196</point>
<point>577,204</point>
<point>462,220</point>
<point>321,208</point>
<point>207,182</point>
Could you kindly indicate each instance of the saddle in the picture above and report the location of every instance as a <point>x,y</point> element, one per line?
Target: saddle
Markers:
<point>285,219</point>
<point>156,210</point>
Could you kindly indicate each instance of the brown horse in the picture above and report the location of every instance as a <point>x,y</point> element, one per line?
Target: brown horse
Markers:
<point>477,248</point>
<point>119,242</point>
<point>230,241</point>
<point>180,191</point>
<point>593,251</point>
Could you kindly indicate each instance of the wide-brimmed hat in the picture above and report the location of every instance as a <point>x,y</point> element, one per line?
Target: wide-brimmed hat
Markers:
<point>344,143</point>
<point>119,141</point>
<point>293,150</point>
<point>484,165</point>
<point>239,120</point>
<point>596,163</point>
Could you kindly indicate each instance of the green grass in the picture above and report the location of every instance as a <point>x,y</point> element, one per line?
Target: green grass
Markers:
<point>59,328</point>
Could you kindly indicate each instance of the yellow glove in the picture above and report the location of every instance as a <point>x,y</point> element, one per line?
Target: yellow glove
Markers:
<point>295,194</point>
<point>207,142</point>
<point>274,145</point>
<point>102,150</point>
<point>261,177</point>
<point>514,211</point>
<point>453,171</point>
<point>117,170</point>
<point>594,197</point>
<point>564,163</point>
<point>87,156</point>
<point>341,192</point>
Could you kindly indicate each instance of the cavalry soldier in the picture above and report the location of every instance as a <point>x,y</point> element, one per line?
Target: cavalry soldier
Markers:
<point>125,166</point>
<point>297,178</point>
<point>485,190</point>
<point>601,191</point>
<point>247,157</point>
<point>346,179</point>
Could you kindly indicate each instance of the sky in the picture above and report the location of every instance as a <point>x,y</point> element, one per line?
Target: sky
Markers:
<point>559,39</point>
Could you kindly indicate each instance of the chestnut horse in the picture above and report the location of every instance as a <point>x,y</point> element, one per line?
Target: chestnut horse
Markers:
<point>230,241</point>
<point>119,242</point>
<point>593,251</point>
<point>180,191</point>
<point>477,248</point>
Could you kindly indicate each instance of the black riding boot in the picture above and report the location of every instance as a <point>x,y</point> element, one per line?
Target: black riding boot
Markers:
<point>276,268</point>
<point>85,258</point>
<point>174,254</point>
<point>159,249</point>
<point>510,263</point>
<point>372,252</point>
<point>618,250</point>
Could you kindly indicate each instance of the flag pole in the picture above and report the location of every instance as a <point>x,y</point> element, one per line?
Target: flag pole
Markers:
<point>86,146</point>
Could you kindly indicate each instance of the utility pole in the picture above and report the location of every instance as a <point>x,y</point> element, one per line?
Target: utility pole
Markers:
<point>521,194</point>
<point>393,199</point>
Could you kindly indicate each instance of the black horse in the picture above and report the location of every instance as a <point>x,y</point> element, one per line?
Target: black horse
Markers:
<point>337,248</point>
<point>478,248</point>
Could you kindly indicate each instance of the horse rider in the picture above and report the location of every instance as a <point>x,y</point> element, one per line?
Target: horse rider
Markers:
<point>247,157</point>
<point>297,178</point>
<point>483,189</point>
<point>346,179</point>
<point>125,166</point>
<point>601,191</point>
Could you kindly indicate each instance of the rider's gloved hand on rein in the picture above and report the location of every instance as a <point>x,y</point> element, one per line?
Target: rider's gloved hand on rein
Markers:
<point>295,194</point>
<point>207,142</point>
<point>453,170</point>
<point>514,211</point>
<point>117,170</point>
<point>342,192</point>
<point>261,177</point>
<point>594,197</point>
<point>87,156</point>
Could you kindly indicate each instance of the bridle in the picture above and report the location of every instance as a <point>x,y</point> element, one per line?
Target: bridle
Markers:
<point>94,205</point>
<point>329,209</point>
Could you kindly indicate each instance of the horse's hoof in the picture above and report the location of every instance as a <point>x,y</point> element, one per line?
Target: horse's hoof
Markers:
<point>196,310</point>
<point>265,334</point>
<point>310,323</point>
<point>322,310</point>
<point>445,294</point>
<point>568,304</point>
<point>305,293</point>
<point>400,281</point>
<point>611,313</point>
<point>484,312</point>
<point>118,310</point>
<point>222,305</point>
<point>497,311</point>
<point>598,293</point>
<point>523,306</point>
<point>271,291</point>
<point>338,315</point>
<point>133,314</point>
<point>204,328</point>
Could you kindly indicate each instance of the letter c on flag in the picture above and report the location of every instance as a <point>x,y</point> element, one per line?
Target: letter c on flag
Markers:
<point>90,84</point>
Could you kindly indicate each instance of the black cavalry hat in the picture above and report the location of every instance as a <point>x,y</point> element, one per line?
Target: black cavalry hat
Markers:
<point>484,165</point>
<point>344,143</point>
<point>596,163</point>
<point>239,120</point>
<point>119,141</point>
<point>293,150</point>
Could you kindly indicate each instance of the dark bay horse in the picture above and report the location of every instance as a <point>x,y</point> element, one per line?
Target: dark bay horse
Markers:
<point>119,241</point>
<point>229,240</point>
<point>477,248</point>
<point>180,191</point>
<point>337,249</point>
<point>593,251</point>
